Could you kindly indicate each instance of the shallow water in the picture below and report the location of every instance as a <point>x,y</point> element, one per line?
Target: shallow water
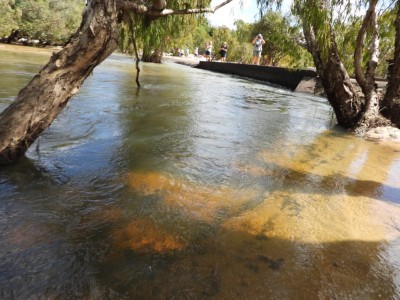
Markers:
<point>196,186</point>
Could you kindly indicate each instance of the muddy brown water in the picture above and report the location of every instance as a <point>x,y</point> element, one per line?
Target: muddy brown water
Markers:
<point>196,186</point>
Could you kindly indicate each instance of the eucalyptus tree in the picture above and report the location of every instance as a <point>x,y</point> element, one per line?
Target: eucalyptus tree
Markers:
<point>348,34</point>
<point>354,109</point>
<point>39,103</point>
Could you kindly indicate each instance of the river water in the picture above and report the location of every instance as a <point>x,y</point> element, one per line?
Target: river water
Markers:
<point>198,185</point>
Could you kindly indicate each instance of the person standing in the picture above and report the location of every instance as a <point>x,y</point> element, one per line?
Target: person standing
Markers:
<point>257,42</point>
<point>223,51</point>
<point>208,52</point>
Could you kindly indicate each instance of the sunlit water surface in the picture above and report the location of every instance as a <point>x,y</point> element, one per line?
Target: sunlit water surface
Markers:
<point>198,185</point>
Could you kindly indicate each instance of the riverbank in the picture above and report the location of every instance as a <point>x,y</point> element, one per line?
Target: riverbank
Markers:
<point>29,49</point>
<point>190,61</point>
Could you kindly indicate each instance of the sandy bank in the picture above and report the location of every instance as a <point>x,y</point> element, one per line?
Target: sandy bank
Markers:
<point>187,61</point>
<point>29,49</point>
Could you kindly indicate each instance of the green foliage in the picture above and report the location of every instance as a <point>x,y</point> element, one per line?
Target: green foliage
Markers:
<point>220,35</point>
<point>281,47</point>
<point>243,31</point>
<point>319,16</point>
<point>167,33</point>
<point>47,20</point>
<point>9,17</point>
<point>201,34</point>
<point>345,39</point>
<point>387,35</point>
<point>341,20</point>
<point>241,49</point>
<point>237,51</point>
<point>345,31</point>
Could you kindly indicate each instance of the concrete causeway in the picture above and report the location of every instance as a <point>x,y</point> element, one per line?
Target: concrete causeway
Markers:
<point>289,78</point>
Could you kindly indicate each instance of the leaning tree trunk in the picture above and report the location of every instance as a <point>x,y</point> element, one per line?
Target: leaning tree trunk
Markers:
<point>371,116</point>
<point>39,103</point>
<point>342,94</point>
<point>337,84</point>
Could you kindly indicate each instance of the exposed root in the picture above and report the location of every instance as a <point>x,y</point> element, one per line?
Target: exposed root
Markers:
<point>383,133</point>
<point>377,128</point>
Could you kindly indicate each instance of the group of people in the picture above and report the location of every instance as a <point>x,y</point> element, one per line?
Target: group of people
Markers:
<point>181,52</point>
<point>222,51</point>
<point>257,43</point>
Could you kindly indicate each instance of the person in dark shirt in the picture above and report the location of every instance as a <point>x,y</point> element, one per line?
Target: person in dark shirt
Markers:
<point>223,51</point>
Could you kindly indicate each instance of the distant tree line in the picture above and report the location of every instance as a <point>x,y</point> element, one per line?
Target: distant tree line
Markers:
<point>52,22</point>
<point>47,21</point>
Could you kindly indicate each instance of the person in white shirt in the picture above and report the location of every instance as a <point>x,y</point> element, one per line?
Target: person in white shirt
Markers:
<point>257,42</point>
<point>208,52</point>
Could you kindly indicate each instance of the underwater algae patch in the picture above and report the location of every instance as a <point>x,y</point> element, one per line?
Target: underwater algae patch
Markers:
<point>201,203</point>
<point>315,195</point>
<point>198,203</point>
<point>327,191</point>
<point>143,235</point>
<point>310,218</point>
<point>313,200</point>
<point>17,235</point>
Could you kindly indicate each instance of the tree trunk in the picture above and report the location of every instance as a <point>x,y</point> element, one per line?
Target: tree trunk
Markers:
<point>39,103</point>
<point>391,101</point>
<point>371,114</point>
<point>152,56</point>
<point>156,56</point>
<point>340,91</point>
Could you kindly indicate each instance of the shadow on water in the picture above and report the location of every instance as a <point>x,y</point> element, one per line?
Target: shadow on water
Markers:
<point>335,164</point>
<point>258,269</point>
<point>168,245</point>
<point>22,173</point>
<point>336,184</point>
<point>214,263</point>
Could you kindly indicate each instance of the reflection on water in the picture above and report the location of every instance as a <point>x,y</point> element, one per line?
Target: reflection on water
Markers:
<point>198,185</point>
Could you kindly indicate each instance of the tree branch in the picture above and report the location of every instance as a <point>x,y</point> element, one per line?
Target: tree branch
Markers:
<point>137,56</point>
<point>131,7</point>
<point>369,19</point>
<point>156,13</point>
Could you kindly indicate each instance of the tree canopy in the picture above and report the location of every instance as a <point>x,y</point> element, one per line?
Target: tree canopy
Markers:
<point>53,22</point>
<point>46,20</point>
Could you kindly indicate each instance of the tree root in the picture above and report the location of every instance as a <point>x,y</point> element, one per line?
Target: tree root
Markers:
<point>377,128</point>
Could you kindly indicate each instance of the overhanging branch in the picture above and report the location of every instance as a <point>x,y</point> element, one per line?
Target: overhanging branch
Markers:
<point>154,14</point>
